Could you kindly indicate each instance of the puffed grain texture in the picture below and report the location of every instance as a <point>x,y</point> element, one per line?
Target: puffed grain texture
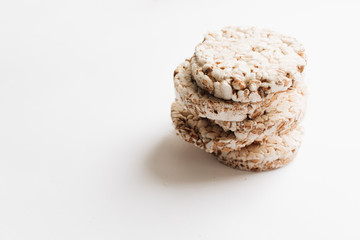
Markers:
<point>247,64</point>
<point>280,118</point>
<point>203,104</point>
<point>272,152</point>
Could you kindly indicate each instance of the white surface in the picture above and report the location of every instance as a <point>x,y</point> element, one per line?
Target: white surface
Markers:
<point>87,150</point>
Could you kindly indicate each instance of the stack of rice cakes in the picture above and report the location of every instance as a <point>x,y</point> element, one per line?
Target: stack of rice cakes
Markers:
<point>242,97</point>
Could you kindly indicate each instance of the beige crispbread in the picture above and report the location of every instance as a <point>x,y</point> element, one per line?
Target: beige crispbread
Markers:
<point>272,152</point>
<point>247,64</point>
<point>203,104</point>
<point>280,118</point>
<point>255,165</point>
<point>204,133</point>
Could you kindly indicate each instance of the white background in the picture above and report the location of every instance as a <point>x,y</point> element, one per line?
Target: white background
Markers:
<point>87,149</point>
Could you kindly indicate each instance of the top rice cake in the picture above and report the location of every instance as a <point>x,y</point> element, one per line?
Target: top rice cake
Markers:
<point>247,64</point>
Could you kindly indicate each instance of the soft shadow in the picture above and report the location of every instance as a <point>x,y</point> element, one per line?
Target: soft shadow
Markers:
<point>175,161</point>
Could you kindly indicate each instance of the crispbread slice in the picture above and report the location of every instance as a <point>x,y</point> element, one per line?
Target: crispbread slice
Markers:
<point>247,64</point>
<point>203,104</point>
